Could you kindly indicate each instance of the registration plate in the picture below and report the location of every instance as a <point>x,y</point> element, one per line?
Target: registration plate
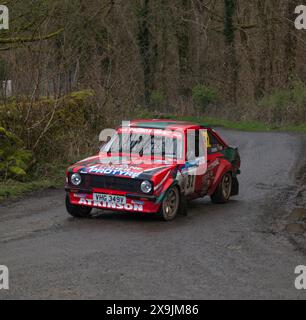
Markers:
<point>108,198</point>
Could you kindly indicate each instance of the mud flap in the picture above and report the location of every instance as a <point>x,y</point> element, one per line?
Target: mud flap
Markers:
<point>235,187</point>
<point>183,210</point>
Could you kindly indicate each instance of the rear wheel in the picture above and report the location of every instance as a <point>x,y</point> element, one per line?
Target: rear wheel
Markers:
<point>170,205</point>
<point>77,211</point>
<point>224,189</point>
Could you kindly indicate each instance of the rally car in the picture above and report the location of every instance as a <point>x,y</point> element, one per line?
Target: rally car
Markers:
<point>154,167</point>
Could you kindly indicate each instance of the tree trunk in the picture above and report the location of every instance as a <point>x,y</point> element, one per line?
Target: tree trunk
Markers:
<point>231,63</point>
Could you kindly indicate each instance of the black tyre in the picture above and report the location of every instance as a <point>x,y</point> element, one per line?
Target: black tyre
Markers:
<point>170,205</point>
<point>77,211</point>
<point>224,189</point>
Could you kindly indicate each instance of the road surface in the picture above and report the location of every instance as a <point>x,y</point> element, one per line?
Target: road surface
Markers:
<point>240,250</point>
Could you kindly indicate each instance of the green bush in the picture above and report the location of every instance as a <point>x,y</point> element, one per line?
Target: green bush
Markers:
<point>203,96</point>
<point>281,98</point>
<point>287,105</point>
<point>61,129</point>
<point>14,159</point>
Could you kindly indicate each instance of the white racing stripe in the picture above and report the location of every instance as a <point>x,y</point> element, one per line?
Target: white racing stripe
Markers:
<point>163,181</point>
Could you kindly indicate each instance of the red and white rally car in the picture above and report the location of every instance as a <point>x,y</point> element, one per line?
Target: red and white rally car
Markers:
<point>154,167</point>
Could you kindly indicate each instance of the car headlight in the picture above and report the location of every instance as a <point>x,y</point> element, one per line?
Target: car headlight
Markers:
<point>76,179</point>
<point>146,186</point>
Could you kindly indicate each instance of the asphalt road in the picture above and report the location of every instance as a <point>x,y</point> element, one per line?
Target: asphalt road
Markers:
<point>233,251</point>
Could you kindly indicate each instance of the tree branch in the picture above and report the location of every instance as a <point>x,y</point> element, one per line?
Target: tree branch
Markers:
<point>31,39</point>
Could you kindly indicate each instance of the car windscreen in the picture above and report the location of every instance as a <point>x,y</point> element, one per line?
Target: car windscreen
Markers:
<point>145,145</point>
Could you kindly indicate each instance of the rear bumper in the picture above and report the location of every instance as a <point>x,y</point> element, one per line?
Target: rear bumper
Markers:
<point>134,202</point>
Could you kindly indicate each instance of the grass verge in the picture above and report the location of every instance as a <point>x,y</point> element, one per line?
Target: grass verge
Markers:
<point>15,190</point>
<point>11,189</point>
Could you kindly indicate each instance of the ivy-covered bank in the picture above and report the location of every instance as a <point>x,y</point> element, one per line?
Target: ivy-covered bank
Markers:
<point>39,139</point>
<point>15,159</point>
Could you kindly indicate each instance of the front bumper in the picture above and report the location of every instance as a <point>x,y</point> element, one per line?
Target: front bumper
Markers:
<point>134,202</point>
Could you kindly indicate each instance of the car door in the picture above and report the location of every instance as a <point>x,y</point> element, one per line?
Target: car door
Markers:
<point>215,149</point>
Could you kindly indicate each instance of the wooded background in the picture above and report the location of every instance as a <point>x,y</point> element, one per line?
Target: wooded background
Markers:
<point>78,65</point>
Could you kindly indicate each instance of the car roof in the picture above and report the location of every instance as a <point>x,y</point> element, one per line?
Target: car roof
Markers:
<point>163,124</point>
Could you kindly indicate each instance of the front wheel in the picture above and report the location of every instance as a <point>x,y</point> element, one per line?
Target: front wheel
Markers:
<point>224,189</point>
<point>170,205</point>
<point>77,211</point>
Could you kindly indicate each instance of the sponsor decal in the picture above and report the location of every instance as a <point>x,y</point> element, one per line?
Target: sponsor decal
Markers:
<point>137,202</point>
<point>116,206</point>
<point>156,132</point>
<point>132,172</point>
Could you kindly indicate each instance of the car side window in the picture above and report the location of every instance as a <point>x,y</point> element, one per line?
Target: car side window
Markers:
<point>214,145</point>
<point>202,145</point>
<point>191,146</point>
<point>195,145</point>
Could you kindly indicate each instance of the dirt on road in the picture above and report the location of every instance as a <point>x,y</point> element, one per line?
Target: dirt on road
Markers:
<point>246,249</point>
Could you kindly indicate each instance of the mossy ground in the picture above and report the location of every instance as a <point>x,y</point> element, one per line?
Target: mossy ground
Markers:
<point>12,189</point>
